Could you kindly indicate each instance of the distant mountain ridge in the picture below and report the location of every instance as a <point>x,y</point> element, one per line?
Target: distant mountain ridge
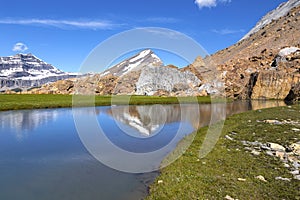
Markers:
<point>26,71</point>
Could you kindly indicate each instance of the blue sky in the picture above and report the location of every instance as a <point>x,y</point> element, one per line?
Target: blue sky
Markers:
<point>64,32</point>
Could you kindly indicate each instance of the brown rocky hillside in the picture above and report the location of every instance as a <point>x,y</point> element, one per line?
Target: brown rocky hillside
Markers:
<point>253,68</point>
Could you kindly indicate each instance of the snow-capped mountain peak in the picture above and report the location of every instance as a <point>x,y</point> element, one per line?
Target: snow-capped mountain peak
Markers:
<point>26,66</point>
<point>135,63</point>
<point>26,70</point>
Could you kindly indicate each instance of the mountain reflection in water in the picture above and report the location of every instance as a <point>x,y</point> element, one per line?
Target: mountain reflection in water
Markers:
<point>146,120</point>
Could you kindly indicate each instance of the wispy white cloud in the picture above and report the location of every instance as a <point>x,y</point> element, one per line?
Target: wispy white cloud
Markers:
<point>206,3</point>
<point>64,24</point>
<point>227,31</point>
<point>210,3</point>
<point>165,33</point>
<point>162,19</point>
<point>20,47</point>
<point>225,1</point>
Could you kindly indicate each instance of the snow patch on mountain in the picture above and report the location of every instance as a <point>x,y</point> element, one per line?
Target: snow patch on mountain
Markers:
<point>135,63</point>
<point>280,11</point>
<point>140,55</point>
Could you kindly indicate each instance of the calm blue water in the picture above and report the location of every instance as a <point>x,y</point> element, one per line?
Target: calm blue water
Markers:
<point>42,156</point>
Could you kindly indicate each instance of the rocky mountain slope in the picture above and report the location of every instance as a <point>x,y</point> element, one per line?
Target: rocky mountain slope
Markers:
<point>265,64</point>
<point>26,71</point>
<point>280,11</point>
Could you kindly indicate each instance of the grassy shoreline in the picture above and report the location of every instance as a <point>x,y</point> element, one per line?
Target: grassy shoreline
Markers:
<point>30,101</point>
<point>230,170</point>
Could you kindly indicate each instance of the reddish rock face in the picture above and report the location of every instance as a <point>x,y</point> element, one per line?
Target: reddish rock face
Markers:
<point>272,85</point>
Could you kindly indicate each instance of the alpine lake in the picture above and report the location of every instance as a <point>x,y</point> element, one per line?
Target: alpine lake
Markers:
<point>42,155</point>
